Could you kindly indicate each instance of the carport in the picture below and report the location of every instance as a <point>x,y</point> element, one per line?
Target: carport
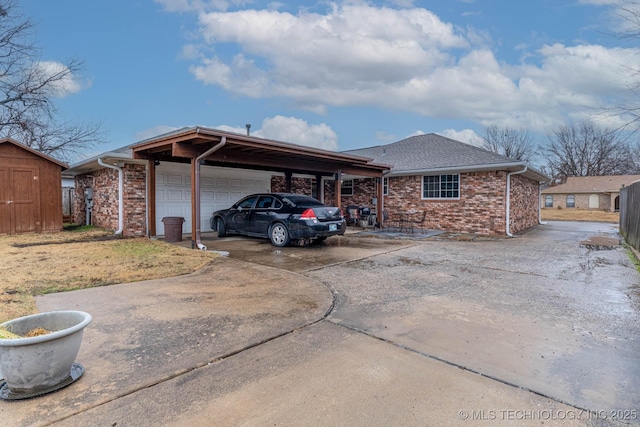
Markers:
<point>203,146</point>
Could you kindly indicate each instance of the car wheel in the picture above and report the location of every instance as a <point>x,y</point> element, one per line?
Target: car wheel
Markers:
<point>279,235</point>
<point>222,230</point>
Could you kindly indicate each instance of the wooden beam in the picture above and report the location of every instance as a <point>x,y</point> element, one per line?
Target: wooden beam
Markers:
<point>275,163</point>
<point>189,151</point>
<point>319,187</point>
<point>287,182</point>
<point>193,203</point>
<point>338,189</point>
<point>379,204</point>
<point>151,191</point>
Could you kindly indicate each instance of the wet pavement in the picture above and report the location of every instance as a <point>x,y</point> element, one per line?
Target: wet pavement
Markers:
<point>336,249</point>
<point>555,311</point>
<point>549,311</point>
<point>365,330</point>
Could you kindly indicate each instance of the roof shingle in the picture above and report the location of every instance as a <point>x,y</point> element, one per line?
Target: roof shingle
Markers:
<point>592,184</point>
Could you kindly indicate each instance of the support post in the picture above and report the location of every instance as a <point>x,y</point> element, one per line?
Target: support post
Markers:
<point>380,203</point>
<point>338,189</point>
<point>287,181</point>
<point>151,191</point>
<point>194,200</point>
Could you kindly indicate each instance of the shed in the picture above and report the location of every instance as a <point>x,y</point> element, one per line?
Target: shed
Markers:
<point>30,190</point>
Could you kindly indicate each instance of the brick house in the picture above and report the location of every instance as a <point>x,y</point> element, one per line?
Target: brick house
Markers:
<point>458,187</point>
<point>588,192</point>
<point>462,188</point>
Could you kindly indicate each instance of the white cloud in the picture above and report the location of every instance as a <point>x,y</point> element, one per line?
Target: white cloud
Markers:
<point>68,84</point>
<point>153,132</point>
<point>278,128</point>
<point>466,135</point>
<point>405,60</point>
<point>194,5</point>
<point>298,131</point>
<point>385,137</point>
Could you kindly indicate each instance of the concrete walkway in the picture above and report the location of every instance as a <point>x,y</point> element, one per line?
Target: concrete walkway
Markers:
<point>146,333</point>
<point>245,344</point>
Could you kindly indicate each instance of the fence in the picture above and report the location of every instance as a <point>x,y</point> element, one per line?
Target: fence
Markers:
<point>630,214</point>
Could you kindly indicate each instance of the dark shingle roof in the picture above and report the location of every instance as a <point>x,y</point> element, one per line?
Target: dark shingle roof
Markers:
<point>432,151</point>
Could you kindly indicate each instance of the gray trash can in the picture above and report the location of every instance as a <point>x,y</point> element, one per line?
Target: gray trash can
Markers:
<point>173,228</point>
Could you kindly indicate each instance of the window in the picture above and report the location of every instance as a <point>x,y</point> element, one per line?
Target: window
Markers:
<point>441,186</point>
<point>385,186</point>
<point>314,189</point>
<point>247,203</point>
<point>264,202</point>
<point>571,201</point>
<point>548,201</point>
<point>346,189</point>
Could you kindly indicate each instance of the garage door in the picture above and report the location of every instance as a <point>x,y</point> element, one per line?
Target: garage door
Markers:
<point>219,189</point>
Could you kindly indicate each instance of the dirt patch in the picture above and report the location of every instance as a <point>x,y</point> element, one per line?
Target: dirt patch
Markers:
<point>36,264</point>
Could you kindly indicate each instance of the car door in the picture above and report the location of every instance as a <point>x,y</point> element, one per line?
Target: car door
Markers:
<point>241,214</point>
<point>262,214</point>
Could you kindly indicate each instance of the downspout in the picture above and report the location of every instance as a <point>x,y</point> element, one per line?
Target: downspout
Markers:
<point>200,158</point>
<point>540,221</point>
<point>509,197</point>
<point>120,194</point>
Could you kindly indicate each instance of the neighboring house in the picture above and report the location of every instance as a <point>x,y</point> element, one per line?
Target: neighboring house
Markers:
<point>30,190</point>
<point>193,171</point>
<point>588,192</point>
<point>461,187</point>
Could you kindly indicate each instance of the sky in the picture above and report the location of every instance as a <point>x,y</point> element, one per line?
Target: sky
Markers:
<point>335,75</point>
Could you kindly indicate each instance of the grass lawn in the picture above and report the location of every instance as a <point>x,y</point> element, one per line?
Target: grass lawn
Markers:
<point>36,264</point>
<point>573,214</point>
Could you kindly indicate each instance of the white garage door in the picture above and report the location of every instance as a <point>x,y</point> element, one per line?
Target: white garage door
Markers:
<point>219,189</point>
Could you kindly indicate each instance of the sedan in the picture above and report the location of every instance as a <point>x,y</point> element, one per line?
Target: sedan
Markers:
<point>281,217</point>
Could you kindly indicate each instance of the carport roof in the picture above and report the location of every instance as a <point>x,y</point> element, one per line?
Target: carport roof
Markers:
<point>245,151</point>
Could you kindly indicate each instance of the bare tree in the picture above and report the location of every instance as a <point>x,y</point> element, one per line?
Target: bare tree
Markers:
<point>509,142</point>
<point>586,150</point>
<point>627,17</point>
<point>28,87</point>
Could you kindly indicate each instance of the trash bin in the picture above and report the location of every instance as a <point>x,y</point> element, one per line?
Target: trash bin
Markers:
<point>173,228</point>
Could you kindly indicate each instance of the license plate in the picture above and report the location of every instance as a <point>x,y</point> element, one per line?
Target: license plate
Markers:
<point>333,227</point>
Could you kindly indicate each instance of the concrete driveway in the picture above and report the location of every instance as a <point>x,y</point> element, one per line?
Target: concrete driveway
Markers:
<point>527,331</point>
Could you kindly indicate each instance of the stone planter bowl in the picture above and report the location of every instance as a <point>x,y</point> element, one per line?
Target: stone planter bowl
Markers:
<point>34,365</point>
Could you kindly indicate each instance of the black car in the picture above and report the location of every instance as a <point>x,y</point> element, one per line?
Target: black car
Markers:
<point>281,217</point>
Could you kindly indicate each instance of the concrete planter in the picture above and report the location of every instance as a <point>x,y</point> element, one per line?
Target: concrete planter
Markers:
<point>32,366</point>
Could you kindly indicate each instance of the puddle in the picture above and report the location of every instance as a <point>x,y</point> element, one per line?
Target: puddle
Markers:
<point>599,243</point>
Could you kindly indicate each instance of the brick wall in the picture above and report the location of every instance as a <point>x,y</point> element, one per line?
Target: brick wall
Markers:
<point>524,204</point>
<point>480,208</point>
<point>104,183</point>
<point>298,185</point>
<point>364,190</point>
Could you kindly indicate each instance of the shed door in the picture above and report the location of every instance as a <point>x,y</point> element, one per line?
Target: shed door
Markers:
<point>19,200</point>
<point>5,201</point>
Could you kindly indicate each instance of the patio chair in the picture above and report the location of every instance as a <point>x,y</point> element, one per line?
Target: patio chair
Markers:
<point>417,223</point>
<point>384,224</point>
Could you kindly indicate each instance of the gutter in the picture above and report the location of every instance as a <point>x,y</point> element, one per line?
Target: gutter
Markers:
<point>198,243</point>
<point>120,194</point>
<point>540,221</point>
<point>509,197</point>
